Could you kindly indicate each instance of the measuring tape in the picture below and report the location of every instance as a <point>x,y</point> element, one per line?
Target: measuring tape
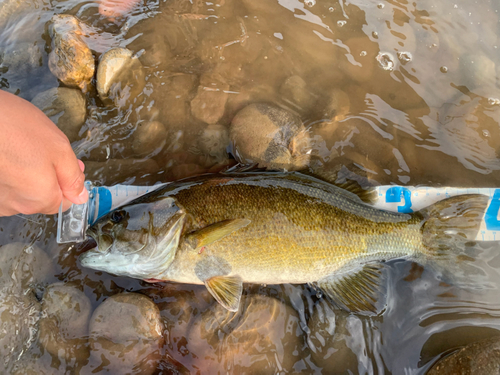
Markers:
<point>72,224</point>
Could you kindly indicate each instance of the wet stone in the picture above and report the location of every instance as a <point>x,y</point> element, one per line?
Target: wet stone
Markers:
<point>149,138</point>
<point>481,357</point>
<point>63,327</point>
<point>21,60</point>
<point>271,137</point>
<point>212,143</point>
<point>22,266</point>
<point>210,101</point>
<point>118,322</point>
<point>294,91</point>
<point>65,107</point>
<point>70,60</point>
<point>172,96</point>
<point>119,171</point>
<point>331,338</point>
<point>120,76</point>
<point>18,324</point>
<point>264,332</point>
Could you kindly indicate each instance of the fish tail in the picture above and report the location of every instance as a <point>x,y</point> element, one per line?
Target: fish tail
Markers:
<point>449,231</point>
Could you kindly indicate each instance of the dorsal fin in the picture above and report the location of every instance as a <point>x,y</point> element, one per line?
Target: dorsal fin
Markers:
<point>357,290</point>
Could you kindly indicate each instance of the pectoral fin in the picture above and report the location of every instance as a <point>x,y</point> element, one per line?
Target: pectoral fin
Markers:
<point>226,290</point>
<point>357,290</point>
<point>215,232</point>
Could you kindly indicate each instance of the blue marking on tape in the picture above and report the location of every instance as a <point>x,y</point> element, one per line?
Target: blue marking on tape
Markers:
<point>491,216</point>
<point>105,201</point>
<point>394,195</point>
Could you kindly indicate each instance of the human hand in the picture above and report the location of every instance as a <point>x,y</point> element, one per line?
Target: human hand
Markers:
<point>38,168</point>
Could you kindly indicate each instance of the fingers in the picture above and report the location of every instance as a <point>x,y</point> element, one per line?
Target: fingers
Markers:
<point>71,179</point>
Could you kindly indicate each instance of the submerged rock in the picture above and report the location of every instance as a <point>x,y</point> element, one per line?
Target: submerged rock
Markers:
<point>126,334</point>
<point>65,107</point>
<point>18,324</point>
<point>120,76</point>
<point>149,138</point>
<point>210,101</point>
<point>212,144</point>
<point>265,332</point>
<point>119,171</point>
<point>335,338</point>
<point>22,267</point>
<point>271,137</point>
<point>21,59</point>
<point>481,357</point>
<point>70,60</point>
<point>294,91</point>
<point>64,326</point>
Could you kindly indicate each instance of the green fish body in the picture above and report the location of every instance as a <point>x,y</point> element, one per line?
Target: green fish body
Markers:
<point>225,230</point>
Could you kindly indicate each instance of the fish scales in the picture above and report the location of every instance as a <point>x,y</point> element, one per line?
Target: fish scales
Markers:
<point>272,228</point>
<point>297,232</point>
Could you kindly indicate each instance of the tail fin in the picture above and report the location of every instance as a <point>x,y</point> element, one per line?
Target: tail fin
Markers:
<point>449,230</point>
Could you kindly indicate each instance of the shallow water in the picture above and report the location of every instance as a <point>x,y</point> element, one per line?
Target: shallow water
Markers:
<point>397,92</point>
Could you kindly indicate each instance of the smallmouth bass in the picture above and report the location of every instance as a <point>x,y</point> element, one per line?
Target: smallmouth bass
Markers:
<point>222,230</point>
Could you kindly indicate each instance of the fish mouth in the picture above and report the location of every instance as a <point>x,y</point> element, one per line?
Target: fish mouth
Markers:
<point>104,241</point>
<point>92,233</point>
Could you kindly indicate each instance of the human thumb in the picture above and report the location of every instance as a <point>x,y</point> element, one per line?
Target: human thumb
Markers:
<point>71,180</point>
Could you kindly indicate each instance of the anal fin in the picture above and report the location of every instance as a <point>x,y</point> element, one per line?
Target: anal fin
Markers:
<point>357,290</point>
<point>226,290</point>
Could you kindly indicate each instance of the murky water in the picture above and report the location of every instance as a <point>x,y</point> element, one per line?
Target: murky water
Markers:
<point>394,91</point>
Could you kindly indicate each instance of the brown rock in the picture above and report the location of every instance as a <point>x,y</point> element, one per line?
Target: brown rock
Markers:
<point>126,334</point>
<point>149,138</point>
<point>115,171</point>
<point>269,136</point>
<point>70,60</point>
<point>210,101</point>
<point>63,327</point>
<point>481,357</point>
<point>65,107</point>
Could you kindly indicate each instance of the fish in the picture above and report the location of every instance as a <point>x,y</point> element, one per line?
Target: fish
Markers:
<point>226,229</point>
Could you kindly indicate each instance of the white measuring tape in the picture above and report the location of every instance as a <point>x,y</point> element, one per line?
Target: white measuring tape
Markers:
<point>73,223</point>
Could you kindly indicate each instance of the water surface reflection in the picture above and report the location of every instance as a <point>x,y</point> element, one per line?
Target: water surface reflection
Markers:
<point>396,92</point>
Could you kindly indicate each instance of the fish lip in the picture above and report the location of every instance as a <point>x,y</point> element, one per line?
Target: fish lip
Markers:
<point>92,233</point>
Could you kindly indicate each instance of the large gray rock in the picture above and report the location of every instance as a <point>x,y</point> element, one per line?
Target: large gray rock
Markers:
<point>271,137</point>
<point>126,331</point>
<point>63,327</point>
<point>65,107</point>
<point>149,138</point>
<point>21,268</point>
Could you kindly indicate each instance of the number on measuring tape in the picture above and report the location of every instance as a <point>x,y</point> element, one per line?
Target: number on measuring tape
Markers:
<point>491,216</point>
<point>395,194</point>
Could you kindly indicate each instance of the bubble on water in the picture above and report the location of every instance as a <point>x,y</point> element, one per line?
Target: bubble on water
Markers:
<point>331,9</point>
<point>363,53</point>
<point>486,133</point>
<point>493,101</point>
<point>375,35</point>
<point>341,23</point>
<point>319,294</point>
<point>386,60</point>
<point>444,69</point>
<point>405,57</point>
<point>380,6</point>
<point>309,3</point>
<point>455,6</point>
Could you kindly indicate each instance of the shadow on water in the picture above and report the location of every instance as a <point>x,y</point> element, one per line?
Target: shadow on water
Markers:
<point>396,92</point>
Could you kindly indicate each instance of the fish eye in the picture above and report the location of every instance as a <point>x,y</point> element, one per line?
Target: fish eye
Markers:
<point>116,216</point>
